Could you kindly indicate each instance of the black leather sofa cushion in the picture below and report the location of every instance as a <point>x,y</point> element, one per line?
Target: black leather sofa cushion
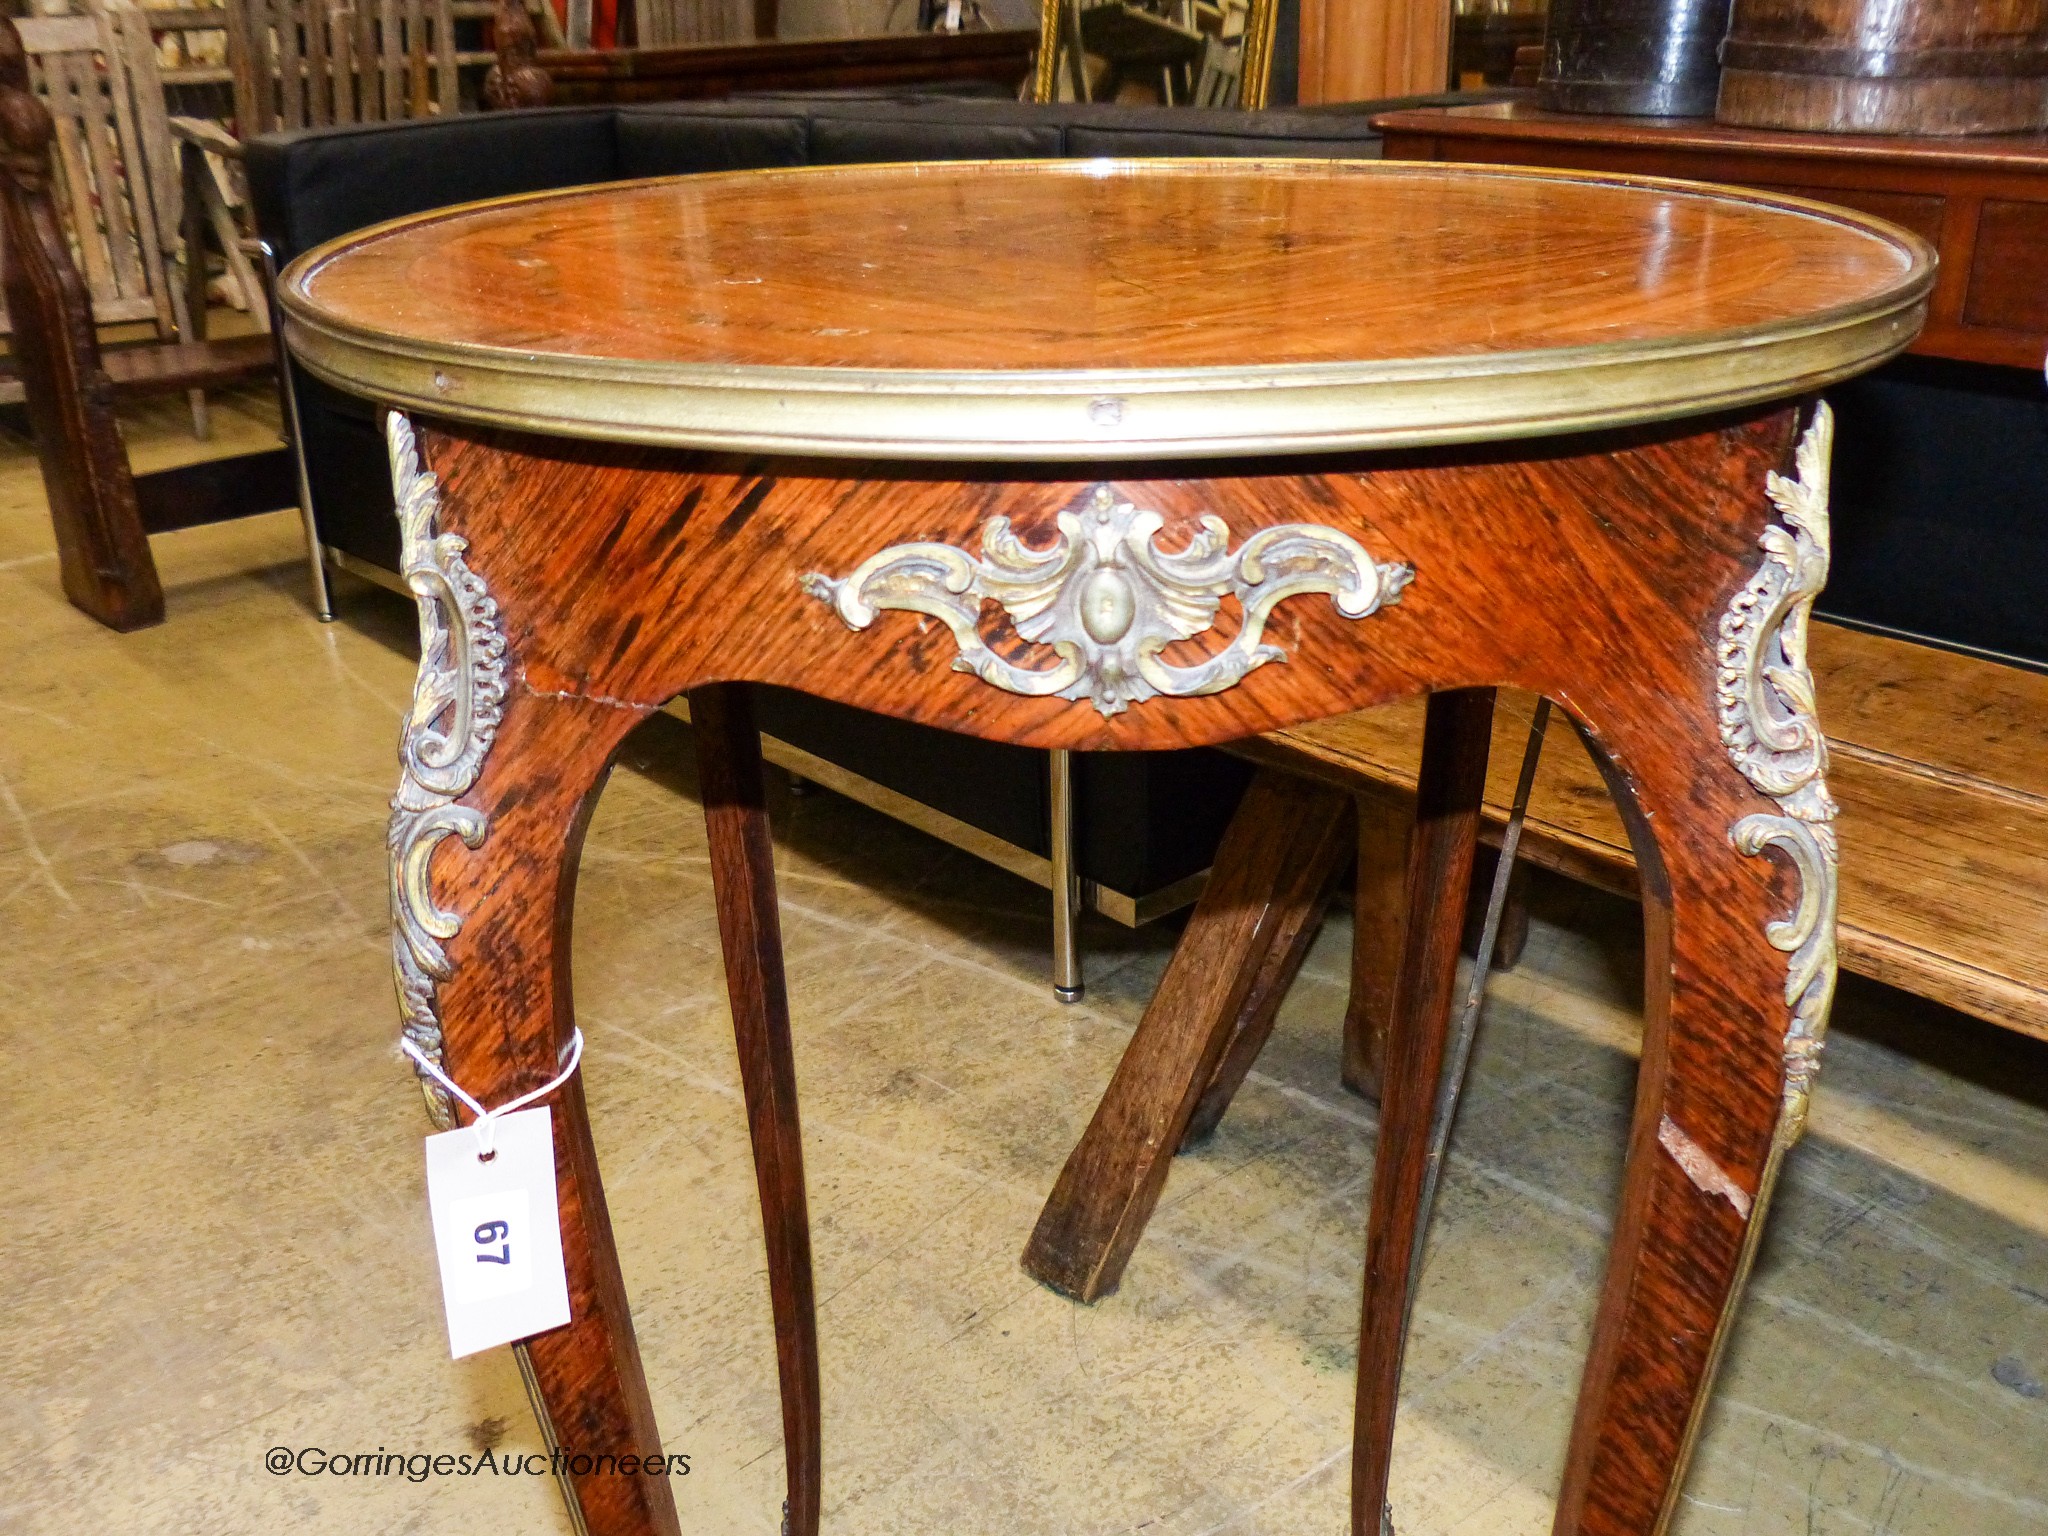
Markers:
<point>652,141</point>
<point>314,185</point>
<point>867,138</point>
<point>1149,132</point>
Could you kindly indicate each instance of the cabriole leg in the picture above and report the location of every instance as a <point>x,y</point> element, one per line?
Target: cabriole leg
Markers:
<point>496,789</point>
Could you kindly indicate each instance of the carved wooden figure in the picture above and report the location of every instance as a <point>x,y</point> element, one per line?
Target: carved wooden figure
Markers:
<point>514,78</point>
<point>831,429</point>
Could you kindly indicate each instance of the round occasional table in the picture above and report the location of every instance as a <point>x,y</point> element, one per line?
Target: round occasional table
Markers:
<point>1101,456</point>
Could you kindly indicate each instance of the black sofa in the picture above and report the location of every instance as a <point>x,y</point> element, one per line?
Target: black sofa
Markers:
<point>1146,822</point>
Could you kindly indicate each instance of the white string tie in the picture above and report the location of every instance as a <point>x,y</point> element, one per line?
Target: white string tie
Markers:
<point>486,1125</point>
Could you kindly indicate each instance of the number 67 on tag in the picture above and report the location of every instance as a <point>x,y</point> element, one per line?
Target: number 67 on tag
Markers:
<point>498,1232</point>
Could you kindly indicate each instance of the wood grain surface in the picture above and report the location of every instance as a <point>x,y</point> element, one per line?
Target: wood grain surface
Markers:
<point>1062,265</point>
<point>1456,732</point>
<point>1592,569</point>
<point>750,931</point>
<point>695,71</point>
<point>1911,66</point>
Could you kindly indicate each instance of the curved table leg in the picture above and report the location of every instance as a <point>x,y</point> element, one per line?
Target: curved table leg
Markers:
<point>1721,1096</point>
<point>1717,761</point>
<point>504,1014</point>
<point>743,881</point>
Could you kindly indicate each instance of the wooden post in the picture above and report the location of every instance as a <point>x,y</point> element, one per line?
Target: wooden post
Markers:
<point>1358,50</point>
<point>750,931</point>
<point>1214,1008</point>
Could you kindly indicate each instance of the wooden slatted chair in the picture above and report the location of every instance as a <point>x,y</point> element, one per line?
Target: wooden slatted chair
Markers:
<point>74,148</point>
<point>313,64</point>
<point>114,177</point>
<point>318,63</point>
<point>309,63</point>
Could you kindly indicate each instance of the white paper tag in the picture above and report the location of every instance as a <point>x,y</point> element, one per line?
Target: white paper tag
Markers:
<point>498,1232</point>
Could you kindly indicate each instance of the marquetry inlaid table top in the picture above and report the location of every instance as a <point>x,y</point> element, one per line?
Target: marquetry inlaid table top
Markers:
<point>1035,309</point>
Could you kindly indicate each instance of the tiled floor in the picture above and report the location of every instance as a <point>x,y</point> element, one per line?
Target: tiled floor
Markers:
<point>213,1239</point>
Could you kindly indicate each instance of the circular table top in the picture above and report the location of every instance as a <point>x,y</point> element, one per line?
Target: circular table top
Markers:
<point>1040,309</point>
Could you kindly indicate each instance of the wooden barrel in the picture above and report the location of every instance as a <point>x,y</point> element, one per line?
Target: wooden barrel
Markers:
<point>1887,66</point>
<point>1646,58</point>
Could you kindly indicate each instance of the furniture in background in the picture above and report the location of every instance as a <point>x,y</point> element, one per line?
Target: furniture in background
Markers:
<point>199,62</point>
<point>1940,757</point>
<point>997,61</point>
<point>113,178</point>
<point>1945,531</point>
<point>311,63</point>
<point>1363,50</point>
<point>1649,556</point>
<point>1886,66</point>
<point>307,63</point>
<point>1939,762</point>
<point>1205,53</point>
<point>1652,58</point>
<point>1140,828</point>
<point>681,23</point>
<point>1485,42</point>
<point>113,175</point>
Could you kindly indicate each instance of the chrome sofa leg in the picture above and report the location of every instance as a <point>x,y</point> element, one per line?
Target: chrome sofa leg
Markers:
<point>1066,885</point>
<point>323,602</point>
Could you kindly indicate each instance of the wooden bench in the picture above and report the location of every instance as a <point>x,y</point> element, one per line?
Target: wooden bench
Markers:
<point>1939,762</point>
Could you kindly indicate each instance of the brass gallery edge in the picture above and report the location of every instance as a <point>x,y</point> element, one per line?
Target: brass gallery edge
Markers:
<point>1030,415</point>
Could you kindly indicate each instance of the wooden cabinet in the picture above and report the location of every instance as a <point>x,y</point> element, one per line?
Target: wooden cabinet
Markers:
<point>1983,202</point>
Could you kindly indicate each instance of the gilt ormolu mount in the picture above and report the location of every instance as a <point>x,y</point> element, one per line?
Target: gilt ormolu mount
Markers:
<point>1107,600</point>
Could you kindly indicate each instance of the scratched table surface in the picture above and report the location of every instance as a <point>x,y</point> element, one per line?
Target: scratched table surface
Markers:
<point>1007,309</point>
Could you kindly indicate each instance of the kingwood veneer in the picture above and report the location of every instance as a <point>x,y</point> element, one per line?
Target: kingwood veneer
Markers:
<point>1437,430</point>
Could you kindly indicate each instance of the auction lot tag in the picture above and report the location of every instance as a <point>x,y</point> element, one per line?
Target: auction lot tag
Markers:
<point>498,1232</point>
